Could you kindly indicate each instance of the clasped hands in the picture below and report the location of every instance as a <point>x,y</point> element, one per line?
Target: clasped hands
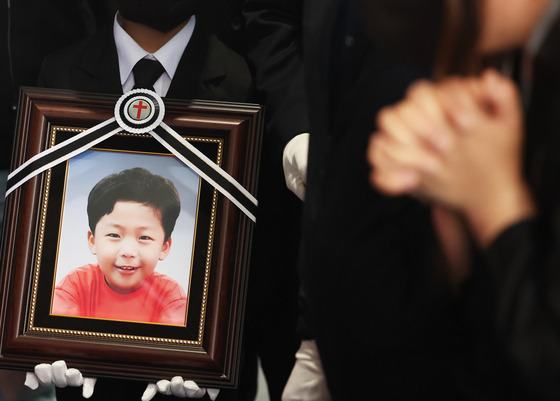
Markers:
<point>458,143</point>
<point>59,375</point>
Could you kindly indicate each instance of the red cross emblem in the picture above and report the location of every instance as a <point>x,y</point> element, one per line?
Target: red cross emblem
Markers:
<point>139,109</point>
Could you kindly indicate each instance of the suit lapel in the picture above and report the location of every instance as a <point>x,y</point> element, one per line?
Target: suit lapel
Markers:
<point>199,73</point>
<point>98,70</point>
<point>200,70</point>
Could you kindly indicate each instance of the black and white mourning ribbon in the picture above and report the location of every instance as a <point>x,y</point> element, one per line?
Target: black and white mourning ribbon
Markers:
<point>171,140</point>
<point>206,168</point>
<point>61,152</point>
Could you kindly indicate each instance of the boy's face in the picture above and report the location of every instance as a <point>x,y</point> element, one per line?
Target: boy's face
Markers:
<point>128,243</point>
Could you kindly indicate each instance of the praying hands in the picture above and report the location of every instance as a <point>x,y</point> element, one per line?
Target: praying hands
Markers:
<point>457,143</point>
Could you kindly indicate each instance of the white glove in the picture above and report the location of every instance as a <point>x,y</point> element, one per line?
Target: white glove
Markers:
<point>294,162</point>
<point>179,388</point>
<point>59,375</point>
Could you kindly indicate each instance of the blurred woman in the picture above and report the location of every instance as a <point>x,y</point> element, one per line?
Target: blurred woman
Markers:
<point>484,149</point>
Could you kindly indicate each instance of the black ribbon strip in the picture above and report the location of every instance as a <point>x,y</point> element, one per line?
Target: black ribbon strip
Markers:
<point>182,149</point>
<point>210,173</point>
<point>57,156</point>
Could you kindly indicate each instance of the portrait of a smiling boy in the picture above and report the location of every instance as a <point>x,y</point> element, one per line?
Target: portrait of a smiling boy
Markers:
<point>131,216</point>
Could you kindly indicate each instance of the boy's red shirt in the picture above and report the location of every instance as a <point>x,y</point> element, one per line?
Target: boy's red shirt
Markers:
<point>84,292</point>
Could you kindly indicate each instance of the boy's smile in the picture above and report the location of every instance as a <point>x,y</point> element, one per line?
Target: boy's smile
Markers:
<point>128,243</point>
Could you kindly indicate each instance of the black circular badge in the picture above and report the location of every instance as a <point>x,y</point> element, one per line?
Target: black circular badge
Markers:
<point>139,111</point>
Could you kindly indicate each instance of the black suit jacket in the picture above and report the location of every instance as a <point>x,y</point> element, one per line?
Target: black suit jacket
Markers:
<point>385,328</point>
<point>274,49</point>
<point>273,39</point>
<point>207,70</point>
<point>210,70</point>
<point>30,30</point>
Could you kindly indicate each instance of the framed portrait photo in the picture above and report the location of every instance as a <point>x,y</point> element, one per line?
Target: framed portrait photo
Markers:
<point>127,256</point>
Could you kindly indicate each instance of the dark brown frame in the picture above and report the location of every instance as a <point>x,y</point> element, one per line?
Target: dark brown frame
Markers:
<point>210,355</point>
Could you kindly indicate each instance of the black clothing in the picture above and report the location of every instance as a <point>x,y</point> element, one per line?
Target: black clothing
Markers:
<point>368,263</point>
<point>384,327</point>
<point>273,39</point>
<point>224,18</point>
<point>274,49</point>
<point>29,30</point>
<point>522,263</point>
<point>207,70</point>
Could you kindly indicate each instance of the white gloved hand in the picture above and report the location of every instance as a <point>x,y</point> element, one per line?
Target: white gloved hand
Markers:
<point>294,162</point>
<point>59,375</point>
<point>179,388</point>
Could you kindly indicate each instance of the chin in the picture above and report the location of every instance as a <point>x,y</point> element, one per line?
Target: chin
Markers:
<point>499,44</point>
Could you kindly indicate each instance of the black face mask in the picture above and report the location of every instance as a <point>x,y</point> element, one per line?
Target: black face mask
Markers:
<point>163,15</point>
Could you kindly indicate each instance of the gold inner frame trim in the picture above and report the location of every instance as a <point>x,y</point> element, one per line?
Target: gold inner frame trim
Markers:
<point>112,336</point>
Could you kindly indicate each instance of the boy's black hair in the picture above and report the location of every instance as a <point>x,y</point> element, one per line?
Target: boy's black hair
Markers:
<point>137,185</point>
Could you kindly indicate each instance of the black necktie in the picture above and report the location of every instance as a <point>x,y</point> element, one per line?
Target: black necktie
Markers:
<point>146,73</point>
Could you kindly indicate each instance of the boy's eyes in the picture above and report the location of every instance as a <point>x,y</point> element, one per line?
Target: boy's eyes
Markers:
<point>141,238</point>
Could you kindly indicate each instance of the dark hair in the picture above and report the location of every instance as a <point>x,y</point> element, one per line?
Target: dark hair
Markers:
<point>137,185</point>
<point>461,30</point>
<point>408,29</point>
<point>437,33</point>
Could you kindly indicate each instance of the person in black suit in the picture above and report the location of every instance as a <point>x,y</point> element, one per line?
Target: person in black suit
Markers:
<point>206,70</point>
<point>193,64</point>
<point>270,329</point>
<point>378,310</point>
<point>274,50</point>
<point>496,167</point>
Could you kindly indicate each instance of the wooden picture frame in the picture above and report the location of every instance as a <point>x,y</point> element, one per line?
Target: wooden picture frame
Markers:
<point>206,348</point>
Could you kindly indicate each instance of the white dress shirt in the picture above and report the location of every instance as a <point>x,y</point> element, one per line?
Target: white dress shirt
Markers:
<point>169,55</point>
